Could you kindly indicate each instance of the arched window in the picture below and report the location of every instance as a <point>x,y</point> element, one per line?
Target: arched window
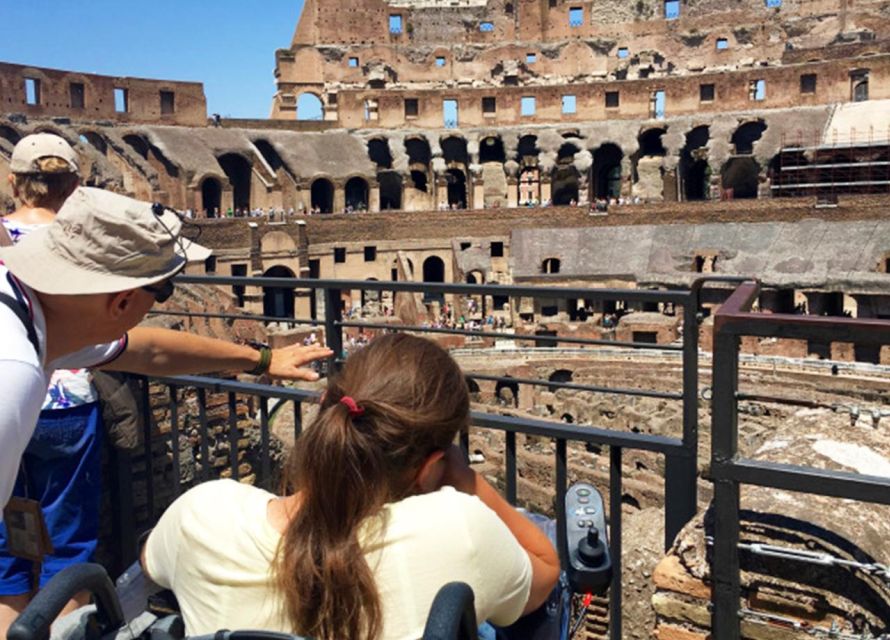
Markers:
<point>211,196</point>
<point>278,302</point>
<point>309,107</point>
<point>238,171</point>
<point>357,194</point>
<point>550,265</point>
<point>322,196</point>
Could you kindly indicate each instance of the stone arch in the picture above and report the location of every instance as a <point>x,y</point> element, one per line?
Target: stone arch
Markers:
<point>309,107</point>
<point>606,170</point>
<point>419,159</point>
<point>211,196</point>
<point>550,265</point>
<point>454,150</point>
<point>379,153</point>
<point>434,269</point>
<point>456,180</point>
<point>390,190</point>
<point>695,170</point>
<point>270,154</point>
<point>566,179</point>
<point>278,302</point>
<point>356,191</point>
<point>650,142</point>
<point>491,149</point>
<point>475,277</point>
<point>473,388</point>
<point>238,170</point>
<point>507,392</point>
<point>744,137</point>
<point>563,376</point>
<point>742,176</point>
<point>10,134</point>
<point>375,296</point>
<point>95,140</point>
<point>322,195</point>
<point>138,144</point>
<point>527,150</point>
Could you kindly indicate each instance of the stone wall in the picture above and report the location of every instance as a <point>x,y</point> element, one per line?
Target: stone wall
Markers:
<point>91,97</point>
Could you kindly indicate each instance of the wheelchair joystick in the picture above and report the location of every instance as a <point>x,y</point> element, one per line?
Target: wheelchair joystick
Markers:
<point>588,563</point>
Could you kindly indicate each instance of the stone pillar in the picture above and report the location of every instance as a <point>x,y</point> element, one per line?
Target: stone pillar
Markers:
<point>478,196</point>
<point>440,197</point>
<point>339,198</point>
<point>584,188</point>
<point>512,191</point>
<point>374,197</point>
<point>546,188</point>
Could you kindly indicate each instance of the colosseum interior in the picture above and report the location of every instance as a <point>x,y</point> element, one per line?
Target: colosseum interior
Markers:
<point>570,144</point>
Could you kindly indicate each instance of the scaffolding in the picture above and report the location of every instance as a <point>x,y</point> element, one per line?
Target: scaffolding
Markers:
<point>827,165</point>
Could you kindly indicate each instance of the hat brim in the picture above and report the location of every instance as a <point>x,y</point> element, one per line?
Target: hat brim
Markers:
<point>44,271</point>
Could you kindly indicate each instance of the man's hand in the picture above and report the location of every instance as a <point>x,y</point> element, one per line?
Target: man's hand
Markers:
<point>457,472</point>
<point>287,362</point>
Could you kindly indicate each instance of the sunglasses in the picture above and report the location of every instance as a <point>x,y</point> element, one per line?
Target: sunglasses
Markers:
<point>161,291</point>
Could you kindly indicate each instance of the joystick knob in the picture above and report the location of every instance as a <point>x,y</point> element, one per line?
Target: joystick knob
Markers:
<point>591,549</point>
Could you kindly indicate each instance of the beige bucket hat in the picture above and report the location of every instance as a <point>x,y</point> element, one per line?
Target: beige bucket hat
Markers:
<point>102,242</point>
<point>33,148</point>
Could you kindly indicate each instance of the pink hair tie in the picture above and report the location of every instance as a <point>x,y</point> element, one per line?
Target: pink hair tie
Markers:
<point>354,410</point>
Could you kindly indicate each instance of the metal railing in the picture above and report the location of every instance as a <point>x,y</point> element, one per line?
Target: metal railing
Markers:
<point>729,470</point>
<point>680,451</point>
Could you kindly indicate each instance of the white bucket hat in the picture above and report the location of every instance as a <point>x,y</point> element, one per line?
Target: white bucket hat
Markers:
<point>31,149</point>
<point>102,242</point>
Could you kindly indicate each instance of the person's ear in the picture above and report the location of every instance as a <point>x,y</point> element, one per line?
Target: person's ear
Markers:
<point>120,303</point>
<point>429,476</point>
<point>11,180</point>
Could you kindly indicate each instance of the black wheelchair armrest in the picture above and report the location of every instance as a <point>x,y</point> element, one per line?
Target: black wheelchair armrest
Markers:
<point>453,614</point>
<point>35,621</point>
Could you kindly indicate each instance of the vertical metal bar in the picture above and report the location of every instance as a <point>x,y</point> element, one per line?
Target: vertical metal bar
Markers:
<point>681,472</point>
<point>233,435</point>
<point>561,488</point>
<point>465,442</point>
<point>333,331</point>
<point>510,453</point>
<point>615,492</point>
<point>265,463</point>
<point>205,437</point>
<point>147,432</point>
<point>174,441</point>
<point>724,447</point>
<point>298,418</point>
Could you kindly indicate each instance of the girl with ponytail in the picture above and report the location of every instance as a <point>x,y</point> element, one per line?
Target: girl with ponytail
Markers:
<point>380,511</point>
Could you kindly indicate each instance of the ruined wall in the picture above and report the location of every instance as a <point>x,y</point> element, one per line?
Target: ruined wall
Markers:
<point>87,96</point>
<point>447,49</point>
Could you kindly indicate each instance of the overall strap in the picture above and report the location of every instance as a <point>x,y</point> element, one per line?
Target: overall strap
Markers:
<point>22,314</point>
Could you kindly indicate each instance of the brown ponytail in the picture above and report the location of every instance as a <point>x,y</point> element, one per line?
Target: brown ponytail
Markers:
<point>347,467</point>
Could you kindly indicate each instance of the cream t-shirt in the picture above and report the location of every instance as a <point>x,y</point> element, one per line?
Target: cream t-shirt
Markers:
<point>214,548</point>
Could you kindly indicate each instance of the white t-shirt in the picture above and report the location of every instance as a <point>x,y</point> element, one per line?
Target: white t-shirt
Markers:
<point>24,376</point>
<point>214,547</point>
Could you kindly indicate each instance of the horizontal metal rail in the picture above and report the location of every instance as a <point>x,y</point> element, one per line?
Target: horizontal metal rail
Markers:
<point>642,393</point>
<point>511,336</point>
<point>515,291</point>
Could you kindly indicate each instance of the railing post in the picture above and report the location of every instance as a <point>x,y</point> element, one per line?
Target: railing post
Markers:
<point>724,447</point>
<point>332,330</point>
<point>681,472</point>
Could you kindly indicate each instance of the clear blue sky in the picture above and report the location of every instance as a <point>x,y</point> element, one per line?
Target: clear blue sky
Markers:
<point>229,45</point>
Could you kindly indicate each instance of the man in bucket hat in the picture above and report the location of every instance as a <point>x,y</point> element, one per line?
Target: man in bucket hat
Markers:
<point>72,293</point>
